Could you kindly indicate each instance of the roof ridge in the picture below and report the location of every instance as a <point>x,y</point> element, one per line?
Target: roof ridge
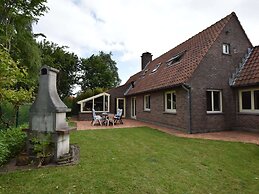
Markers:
<point>240,67</point>
<point>209,27</point>
<point>196,48</point>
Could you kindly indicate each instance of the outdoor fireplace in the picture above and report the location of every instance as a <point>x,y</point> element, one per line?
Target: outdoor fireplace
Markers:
<point>48,115</point>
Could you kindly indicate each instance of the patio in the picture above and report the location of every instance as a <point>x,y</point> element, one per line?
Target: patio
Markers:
<point>235,136</point>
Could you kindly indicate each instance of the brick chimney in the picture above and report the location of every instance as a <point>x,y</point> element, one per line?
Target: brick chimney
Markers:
<point>145,59</point>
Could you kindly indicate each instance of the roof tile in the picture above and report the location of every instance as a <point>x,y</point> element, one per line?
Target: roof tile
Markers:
<point>194,50</point>
<point>249,74</point>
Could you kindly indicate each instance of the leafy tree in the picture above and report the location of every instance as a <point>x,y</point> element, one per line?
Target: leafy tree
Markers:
<point>12,82</point>
<point>68,64</point>
<point>99,71</point>
<point>16,19</point>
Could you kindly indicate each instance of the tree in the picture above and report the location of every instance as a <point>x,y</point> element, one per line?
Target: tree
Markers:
<point>16,19</point>
<point>68,64</point>
<point>12,82</point>
<point>99,71</point>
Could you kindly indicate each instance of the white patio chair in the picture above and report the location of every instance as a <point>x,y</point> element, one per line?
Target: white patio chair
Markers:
<point>96,118</point>
<point>118,116</point>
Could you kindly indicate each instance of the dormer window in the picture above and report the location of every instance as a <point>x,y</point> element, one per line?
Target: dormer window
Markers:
<point>176,58</point>
<point>144,73</point>
<point>156,68</point>
<point>226,49</point>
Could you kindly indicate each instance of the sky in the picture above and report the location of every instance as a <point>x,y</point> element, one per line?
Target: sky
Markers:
<point>128,28</point>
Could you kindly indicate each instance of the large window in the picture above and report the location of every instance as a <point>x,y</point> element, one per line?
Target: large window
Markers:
<point>249,100</point>
<point>214,101</point>
<point>170,101</point>
<point>147,102</point>
<point>100,103</point>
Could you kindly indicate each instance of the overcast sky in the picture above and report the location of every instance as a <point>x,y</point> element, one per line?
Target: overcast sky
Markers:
<point>127,28</point>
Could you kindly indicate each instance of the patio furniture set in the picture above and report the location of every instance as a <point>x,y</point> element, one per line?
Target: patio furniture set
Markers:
<point>107,118</point>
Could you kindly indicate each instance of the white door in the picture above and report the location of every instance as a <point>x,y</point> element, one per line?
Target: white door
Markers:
<point>133,108</point>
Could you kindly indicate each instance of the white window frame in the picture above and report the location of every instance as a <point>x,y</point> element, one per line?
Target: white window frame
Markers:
<point>252,110</point>
<point>226,48</point>
<point>212,101</point>
<point>104,95</point>
<point>133,108</point>
<point>146,108</point>
<point>172,109</point>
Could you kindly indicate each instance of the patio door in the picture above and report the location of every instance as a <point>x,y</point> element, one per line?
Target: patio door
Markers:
<point>121,104</point>
<point>133,108</point>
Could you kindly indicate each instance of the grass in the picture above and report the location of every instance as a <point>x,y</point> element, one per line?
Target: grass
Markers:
<point>143,160</point>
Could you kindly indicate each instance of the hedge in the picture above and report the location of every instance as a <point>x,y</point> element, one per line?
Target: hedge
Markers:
<point>12,141</point>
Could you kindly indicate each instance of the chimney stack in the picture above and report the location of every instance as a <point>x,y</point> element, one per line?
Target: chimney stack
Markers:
<point>145,59</point>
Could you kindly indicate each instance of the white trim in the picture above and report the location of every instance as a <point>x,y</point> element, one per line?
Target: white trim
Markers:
<point>252,110</point>
<point>172,109</point>
<point>226,48</point>
<point>145,103</point>
<point>212,101</point>
<point>81,102</point>
<point>92,97</point>
<point>133,105</point>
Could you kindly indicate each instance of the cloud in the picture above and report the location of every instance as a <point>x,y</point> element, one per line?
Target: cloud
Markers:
<point>129,28</point>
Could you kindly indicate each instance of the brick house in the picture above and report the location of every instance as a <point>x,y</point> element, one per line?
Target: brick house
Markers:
<point>210,82</point>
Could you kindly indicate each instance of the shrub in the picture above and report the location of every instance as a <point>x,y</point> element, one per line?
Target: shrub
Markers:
<point>12,142</point>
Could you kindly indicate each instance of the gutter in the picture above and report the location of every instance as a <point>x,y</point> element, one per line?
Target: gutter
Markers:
<point>187,88</point>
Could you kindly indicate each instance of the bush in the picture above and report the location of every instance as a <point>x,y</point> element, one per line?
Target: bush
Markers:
<point>12,142</point>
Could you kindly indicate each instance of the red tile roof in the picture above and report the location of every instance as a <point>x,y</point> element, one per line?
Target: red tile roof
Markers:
<point>194,50</point>
<point>249,74</point>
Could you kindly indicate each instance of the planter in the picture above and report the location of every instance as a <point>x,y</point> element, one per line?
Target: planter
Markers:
<point>22,159</point>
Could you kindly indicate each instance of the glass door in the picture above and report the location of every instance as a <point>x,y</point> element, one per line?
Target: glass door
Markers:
<point>120,104</point>
<point>133,108</point>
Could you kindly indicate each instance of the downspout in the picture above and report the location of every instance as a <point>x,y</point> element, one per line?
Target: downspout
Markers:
<point>188,89</point>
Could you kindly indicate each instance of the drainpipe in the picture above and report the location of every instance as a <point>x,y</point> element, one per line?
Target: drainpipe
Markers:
<point>188,89</point>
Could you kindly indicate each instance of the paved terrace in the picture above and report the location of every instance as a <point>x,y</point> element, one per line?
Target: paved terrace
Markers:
<point>235,136</point>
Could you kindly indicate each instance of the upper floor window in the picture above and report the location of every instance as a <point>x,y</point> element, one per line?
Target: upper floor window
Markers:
<point>214,101</point>
<point>147,103</point>
<point>249,100</point>
<point>170,101</point>
<point>226,49</point>
<point>156,68</point>
<point>176,58</point>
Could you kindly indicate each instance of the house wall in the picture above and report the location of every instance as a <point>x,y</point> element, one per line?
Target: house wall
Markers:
<point>245,121</point>
<point>214,73</point>
<point>85,116</point>
<point>157,113</point>
<point>116,93</point>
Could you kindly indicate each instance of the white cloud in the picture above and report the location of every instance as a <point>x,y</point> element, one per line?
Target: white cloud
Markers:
<point>129,28</point>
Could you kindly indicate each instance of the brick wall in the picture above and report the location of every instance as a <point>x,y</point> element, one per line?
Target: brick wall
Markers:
<point>85,116</point>
<point>116,93</point>
<point>214,73</point>
<point>157,115</point>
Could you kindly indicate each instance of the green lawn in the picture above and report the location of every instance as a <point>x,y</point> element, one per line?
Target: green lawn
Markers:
<point>143,160</point>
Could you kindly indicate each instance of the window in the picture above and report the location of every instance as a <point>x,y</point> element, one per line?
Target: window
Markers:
<point>176,58</point>
<point>214,101</point>
<point>144,73</point>
<point>98,102</point>
<point>147,102</point>
<point>249,100</point>
<point>156,68</point>
<point>226,49</point>
<point>170,101</point>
